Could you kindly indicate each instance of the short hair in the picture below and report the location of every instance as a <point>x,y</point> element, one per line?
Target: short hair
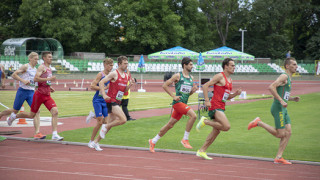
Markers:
<point>45,53</point>
<point>32,55</point>
<point>288,61</point>
<point>186,61</point>
<point>226,62</point>
<point>107,61</point>
<point>122,58</point>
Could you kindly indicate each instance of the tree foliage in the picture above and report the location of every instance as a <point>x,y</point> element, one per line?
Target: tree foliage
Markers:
<point>145,26</point>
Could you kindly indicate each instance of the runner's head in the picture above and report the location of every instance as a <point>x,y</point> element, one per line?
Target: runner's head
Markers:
<point>122,63</point>
<point>47,57</point>
<point>33,58</point>
<point>187,64</point>
<point>228,65</point>
<point>291,64</point>
<point>108,64</point>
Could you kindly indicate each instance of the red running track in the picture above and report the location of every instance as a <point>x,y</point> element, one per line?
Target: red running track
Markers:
<point>32,160</point>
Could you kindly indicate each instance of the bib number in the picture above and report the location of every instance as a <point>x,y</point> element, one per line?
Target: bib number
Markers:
<point>185,89</point>
<point>32,83</point>
<point>119,95</point>
<point>225,97</point>
<point>49,83</point>
<point>286,96</point>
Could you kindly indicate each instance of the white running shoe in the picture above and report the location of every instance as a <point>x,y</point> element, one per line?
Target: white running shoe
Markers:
<point>90,116</point>
<point>12,117</point>
<point>103,132</point>
<point>97,146</point>
<point>57,137</point>
<point>91,144</point>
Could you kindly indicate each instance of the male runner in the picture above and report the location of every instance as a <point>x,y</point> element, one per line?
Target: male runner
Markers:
<point>222,86</point>
<point>99,105</point>
<point>2,77</point>
<point>117,87</point>
<point>25,75</point>
<point>42,95</point>
<point>184,88</point>
<point>280,89</point>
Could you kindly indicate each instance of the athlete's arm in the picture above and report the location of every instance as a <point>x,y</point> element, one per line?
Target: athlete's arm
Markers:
<point>3,77</point>
<point>175,78</point>
<point>40,70</point>
<point>194,87</point>
<point>21,70</point>
<point>94,83</point>
<point>238,92</point>
<point>109,77</point>
<point>281,81</point>
<point>216,79</point>
<point>296,99</point>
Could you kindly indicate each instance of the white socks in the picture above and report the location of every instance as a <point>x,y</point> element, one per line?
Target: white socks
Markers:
<point>186,135</point>
<point>156,139</point>
<point>54,133</point>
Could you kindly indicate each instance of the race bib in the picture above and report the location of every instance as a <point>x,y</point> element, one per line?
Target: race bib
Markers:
<point>225,97</point>
<point>119,95</point>
<point>185,89</point>
<point>32,83</point>
<point>286,96</point>
<point>49,83</point>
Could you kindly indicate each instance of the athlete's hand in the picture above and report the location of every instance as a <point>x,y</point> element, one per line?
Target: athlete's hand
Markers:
<point>52,78</point>
<point>52,90</point>
<point>176,98</point>
<point>284,104</point>
<point>106,98</point>
<point>194,88</point>
<point>238,92</point>
<point>296,99</point>
<point>26,82</point>
<point>207,103</point>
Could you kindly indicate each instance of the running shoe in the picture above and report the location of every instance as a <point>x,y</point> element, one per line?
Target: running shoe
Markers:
<point>151,147</point>
<point>57,137</point>
<point>91,144</point>
<point>103,132</point>
<point>186,144</point>
<point>281,161</point>
<point>201,123</point>
<point>96,146</point>
<point>203,155</point>
<point>12,117</point>
<point>253,123</point>
<point>39,136</point>
<point>89,117</point>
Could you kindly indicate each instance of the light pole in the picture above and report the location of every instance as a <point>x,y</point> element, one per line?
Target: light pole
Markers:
<point>242,39</point>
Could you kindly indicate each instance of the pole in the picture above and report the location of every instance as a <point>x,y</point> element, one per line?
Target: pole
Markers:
<point>242,41</point>
<point>141,80</point>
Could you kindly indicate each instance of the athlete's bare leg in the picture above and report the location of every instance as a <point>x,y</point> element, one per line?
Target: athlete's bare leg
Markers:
<point>7,112</point>
<point>192,118</point>
<point>221,121</point>
<point>167,127</point>
<point>36,122</point>
<point>100,121</point>
<point>54,121</point>
<point>211,137</point>
<point>284,140</point>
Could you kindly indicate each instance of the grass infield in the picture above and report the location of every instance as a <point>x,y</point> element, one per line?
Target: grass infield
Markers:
<point>303,145</point>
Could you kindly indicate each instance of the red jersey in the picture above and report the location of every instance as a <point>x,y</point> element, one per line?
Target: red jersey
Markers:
<point>44,87</point>
<point>116,89</point>
<point>221,95</point>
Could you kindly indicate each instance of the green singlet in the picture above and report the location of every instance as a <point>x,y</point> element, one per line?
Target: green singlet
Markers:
<point>183,88</point>
<point>280,113</point>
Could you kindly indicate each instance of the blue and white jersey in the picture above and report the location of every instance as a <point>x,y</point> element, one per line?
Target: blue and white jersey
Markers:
<point>29,75</point>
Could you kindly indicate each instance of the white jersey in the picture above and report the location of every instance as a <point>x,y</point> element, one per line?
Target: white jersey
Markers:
<point>28,75</point>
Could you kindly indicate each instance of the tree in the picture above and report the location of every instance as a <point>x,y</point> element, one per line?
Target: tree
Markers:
<point>220,13</point>
<point>198,35</point>
<point>148,25</point>
<point>73,23</point>
<point>9,14</point>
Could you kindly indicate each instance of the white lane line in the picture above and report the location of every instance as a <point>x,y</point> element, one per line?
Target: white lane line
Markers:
<point>227,171</point>
<point>304,177</point>
<point>158,177</point>
<point>61,172</point>
<point>123,175</point>
<point>190,169</point>
<point>268,174</point>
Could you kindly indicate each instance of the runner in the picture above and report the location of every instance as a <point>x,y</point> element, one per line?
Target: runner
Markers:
<point>42,95</point>
<point>222,83</point>
<point>117,87</point>
<point>25,75</point>
<point>184,88</point>
<point>2,77</point>
<point>280,89</point>
<point>99,105</point>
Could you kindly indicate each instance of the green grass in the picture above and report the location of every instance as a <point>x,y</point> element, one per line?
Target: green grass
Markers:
<point>304,143</point>
<point>79,103</point>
